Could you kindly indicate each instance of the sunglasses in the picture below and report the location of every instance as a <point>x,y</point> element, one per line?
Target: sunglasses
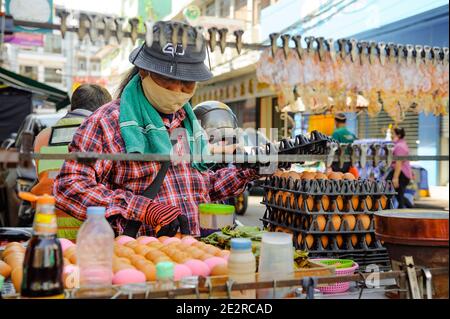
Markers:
<point>166,82</point>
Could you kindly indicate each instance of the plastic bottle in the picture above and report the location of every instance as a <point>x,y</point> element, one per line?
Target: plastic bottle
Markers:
<point>165,276</point>
<point>389,133</point>
<point>95,244</point>
<point>242,266</point>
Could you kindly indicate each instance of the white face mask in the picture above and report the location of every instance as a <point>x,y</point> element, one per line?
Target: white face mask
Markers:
<point>162,99</point>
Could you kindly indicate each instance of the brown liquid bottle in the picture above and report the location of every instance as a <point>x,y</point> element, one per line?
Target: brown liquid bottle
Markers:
<point>43,263</point>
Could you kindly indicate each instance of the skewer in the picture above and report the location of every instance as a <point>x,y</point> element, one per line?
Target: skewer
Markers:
<point>273,43</point>
<point>285,38</point>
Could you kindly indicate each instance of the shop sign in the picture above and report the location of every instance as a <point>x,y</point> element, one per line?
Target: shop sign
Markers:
<point>32,11</point>
<point>26,39</point>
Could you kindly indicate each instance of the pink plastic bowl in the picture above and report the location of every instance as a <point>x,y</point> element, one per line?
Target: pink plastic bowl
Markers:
<point>339,287</point>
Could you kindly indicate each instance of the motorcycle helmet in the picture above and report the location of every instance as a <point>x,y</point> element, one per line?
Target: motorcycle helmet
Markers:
<point>218,121</point>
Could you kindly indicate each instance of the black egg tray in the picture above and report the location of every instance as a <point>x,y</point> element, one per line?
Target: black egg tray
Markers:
<point>316,145</point>
<point>317,189</point>
<point>310,225</point>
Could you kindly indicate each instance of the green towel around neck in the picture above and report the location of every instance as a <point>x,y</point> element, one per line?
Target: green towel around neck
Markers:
<point>143,130</point>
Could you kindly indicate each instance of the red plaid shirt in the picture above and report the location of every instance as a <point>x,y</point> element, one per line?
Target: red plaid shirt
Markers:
<point>117,185</point>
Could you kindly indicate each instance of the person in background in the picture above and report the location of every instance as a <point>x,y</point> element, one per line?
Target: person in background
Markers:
<point>84,101</point>
<point>401,172</point>
<point>342,135</point>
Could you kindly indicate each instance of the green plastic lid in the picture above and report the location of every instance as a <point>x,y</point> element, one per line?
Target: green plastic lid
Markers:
<point>216,209</point>
<point>165,270</point>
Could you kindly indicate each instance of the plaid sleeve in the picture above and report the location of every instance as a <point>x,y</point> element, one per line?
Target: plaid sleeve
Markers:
<point>229,182</point>
<point>80,184</point>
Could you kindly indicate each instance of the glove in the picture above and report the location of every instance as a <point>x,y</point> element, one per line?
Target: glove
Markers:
<point>160,214</point>
<point>171,229</point>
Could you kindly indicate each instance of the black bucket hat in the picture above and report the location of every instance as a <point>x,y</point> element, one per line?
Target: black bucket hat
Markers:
<point>176,62</point>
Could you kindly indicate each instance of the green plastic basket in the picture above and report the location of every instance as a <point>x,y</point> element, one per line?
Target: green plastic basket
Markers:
<point>338,263</point>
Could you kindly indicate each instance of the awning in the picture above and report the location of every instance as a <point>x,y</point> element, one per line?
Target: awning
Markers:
<point>51,94</point>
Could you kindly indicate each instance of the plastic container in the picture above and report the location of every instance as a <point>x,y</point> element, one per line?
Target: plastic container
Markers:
<point>95,244</point>
<point>242,266</point>
<point>165,275</point>
<point>339,287</point>
<point>214,217</point>
<point>276,262</point>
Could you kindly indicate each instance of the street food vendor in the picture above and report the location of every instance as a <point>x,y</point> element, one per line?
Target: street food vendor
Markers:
<point>152,103</point>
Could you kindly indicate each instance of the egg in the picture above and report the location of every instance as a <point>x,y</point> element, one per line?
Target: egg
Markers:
<point>163,238</point>
<point>13,244</point>
<point>171,240</point>
<point>214,261</point>
<point>12,249</point>
<point>325,200</point>
<point>124,252</point>
<point>181,271</point>
<point>153,254</point>
<point>73,259</point>
<point>310,203</point>
<point>354,240</point>
<point>324,240</point>
<point>339,240</point>
<point>69,251</point>
<point>124,239</point>
<point>14,260</point>
<point>135,258</point>
<point>224,254</point>
<point>308,175</point>
<point>338,204</point>
<point>309,240</point>
<point>16,278</point>
<point>128,276</point>
<point>120,266</point>
<point>142,250</point>
<point>149,271</point>
<point>285,198</point>
<point>144,240</point>
<point>336,221</point>
<point>220,270</point>
<point>132,244</point>
<point>71,278</point>
<point>157,244</point>
<point>126,260</point>
<point>182,246</point>
<point>351,221</point>
<point>321,222</point>
<point>299,240</point>
<point>206,256</point>
<point>348,176</point>
<point>368,239</point>
<point>355,202</point>
<point>198,267</point>
<point>320,176</point>
<point>65,243</point>
<point>197,253</point>
<point>161,258</point>
<point>335,175</point>
<point>5,269</point>
<point>365,220</point>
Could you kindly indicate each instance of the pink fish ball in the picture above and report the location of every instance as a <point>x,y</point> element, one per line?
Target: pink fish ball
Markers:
<point>188,240</point>
<point>122,240</point>
<point>214,261</point>
<point>171,240</point>
<point>144,240</point>
<point>198,267</point>
<point>181,271</point>
<point>128,276</point>
<point>65,243</point>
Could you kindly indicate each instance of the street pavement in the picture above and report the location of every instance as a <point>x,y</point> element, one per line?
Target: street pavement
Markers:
<point>255,211</point>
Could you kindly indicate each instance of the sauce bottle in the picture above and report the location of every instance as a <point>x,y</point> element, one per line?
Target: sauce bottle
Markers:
<point>242,266</point>
<point>43,262</point>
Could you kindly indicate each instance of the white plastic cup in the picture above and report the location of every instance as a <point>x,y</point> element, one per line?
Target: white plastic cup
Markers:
<point>276,262</point>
